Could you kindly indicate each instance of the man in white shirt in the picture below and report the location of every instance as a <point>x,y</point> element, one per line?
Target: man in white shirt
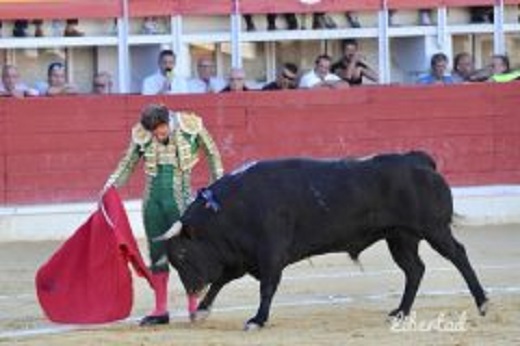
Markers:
<point>207,81</point>
<point>165,81</point>
<point>321,77</point>
<point>11,85</point>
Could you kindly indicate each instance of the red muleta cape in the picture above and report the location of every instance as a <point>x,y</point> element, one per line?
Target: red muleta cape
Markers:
<point>88,280</point>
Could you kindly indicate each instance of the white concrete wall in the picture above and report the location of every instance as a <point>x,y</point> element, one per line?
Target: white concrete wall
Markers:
<point>473,205</point>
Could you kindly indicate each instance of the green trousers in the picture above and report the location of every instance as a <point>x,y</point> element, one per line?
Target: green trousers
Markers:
<point>160,211</point>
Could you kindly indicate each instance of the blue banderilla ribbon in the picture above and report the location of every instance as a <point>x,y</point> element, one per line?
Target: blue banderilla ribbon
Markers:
<point>210,200</point>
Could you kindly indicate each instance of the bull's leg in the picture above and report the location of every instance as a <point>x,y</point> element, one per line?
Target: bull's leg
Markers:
<point>268,286</point>
<point>454,251</point>
<point>204,308</point>
<point>405,252</point>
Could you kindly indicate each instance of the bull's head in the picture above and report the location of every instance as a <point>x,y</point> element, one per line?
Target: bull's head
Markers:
<point>190,261</point>
<point>187,244</point>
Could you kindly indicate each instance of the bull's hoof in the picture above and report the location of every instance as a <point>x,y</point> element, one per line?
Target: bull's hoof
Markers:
<point>250,326</point>
<point>199,315</point>
<point>397,314</point>
<point>483,308</point>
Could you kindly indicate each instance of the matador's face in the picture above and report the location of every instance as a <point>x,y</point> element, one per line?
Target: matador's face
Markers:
<point>162,133</point>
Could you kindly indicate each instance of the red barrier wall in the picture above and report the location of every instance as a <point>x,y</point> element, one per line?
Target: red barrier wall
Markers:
<point>63,149</point>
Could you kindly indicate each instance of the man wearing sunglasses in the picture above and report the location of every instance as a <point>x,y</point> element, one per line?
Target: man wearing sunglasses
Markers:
<point>287,78</point>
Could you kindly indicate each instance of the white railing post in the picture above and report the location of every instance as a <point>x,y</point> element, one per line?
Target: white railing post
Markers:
<point>383,45</point>
<point>498,32</point>
<point>236,27</point>
<point>123,51</point>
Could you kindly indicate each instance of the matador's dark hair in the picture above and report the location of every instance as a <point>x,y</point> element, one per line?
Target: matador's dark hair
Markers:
<point>154,115</point>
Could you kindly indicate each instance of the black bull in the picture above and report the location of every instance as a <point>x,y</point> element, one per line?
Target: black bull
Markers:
<point>261,218</point>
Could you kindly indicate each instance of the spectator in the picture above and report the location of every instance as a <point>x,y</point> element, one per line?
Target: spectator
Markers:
<point>463,68</point>
<point>481,14</point>
<point>500,64</point>
<point>424,17</point>
<point>11,85</point>
<point>237,78</point>
<point>38,28</point>
<point>352,20</point>
<point>437,74</point>
<point>321,20</point>
<point>321,77</point>
<point>57,82</point>
<point>71,28</point>
<point>164,81</point>
<point>102,83</point>
<point>20,27</point>
<point>150,26</point>
<point>250,24</point>
<point>501,70</point>
<point>353,66</point>
<point>207,81</point>
<point>287,78</point>
<point>290,18</point>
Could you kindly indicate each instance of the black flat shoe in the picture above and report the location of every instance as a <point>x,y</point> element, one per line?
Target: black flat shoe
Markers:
<point>155,320</point>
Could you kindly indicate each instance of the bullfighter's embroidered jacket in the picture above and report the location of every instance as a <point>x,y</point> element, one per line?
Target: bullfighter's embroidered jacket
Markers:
<point>188,135</point>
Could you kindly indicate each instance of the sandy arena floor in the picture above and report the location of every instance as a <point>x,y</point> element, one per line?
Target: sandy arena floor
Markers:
<point>328,301</point>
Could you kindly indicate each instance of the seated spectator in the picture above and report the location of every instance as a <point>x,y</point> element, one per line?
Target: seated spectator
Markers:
<point>321,20</point>
<point>207,81</point>
<point>481,14</point>
<point>250,23</point>
<point>102,83</point>
<point>425,17</point>
<point>237,77</point>
<point>287,78</point>
<point>71,28</point>
<point>353,67</point>
<point>463,68</point>
<point>57,82</point>
<point>290,18</point>
<point>321,77</point>
<point>11,85</point>
<point>437,74</point>
<point>352,20</point>
<point>500,64</point>
<point>164,81</point>
<point>150,26</point>
<point>501,70</point>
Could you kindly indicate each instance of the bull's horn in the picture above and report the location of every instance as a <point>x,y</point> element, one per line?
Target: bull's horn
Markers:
<point>172,232</point>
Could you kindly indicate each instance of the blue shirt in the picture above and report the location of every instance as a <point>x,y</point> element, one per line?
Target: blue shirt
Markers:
<point>430,79</point>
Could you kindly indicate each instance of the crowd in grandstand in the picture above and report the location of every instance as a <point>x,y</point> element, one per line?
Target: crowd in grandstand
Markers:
<point>350,70</point>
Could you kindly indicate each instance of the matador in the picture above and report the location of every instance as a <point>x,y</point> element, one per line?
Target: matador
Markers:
<point>169,144</point>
